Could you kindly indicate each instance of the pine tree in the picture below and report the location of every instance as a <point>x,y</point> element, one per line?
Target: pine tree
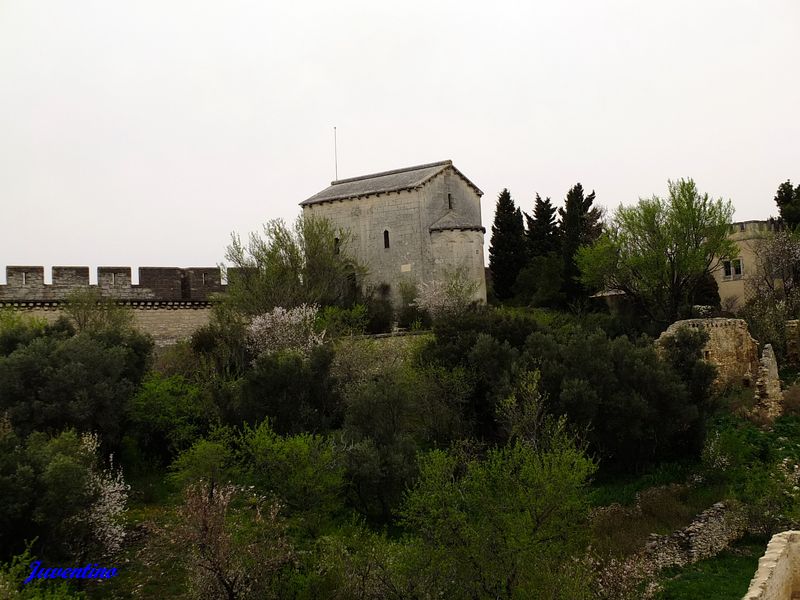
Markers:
<point>788,201</point>
<point>508,248</point>
<point>542,234</point>
<point>580,225</point>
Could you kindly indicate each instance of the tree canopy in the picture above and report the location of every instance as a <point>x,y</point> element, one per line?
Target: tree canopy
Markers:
<point>659,251</point>
<point>788,200</point>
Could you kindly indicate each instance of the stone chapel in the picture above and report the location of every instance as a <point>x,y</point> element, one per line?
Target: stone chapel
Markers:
<point>415,224</point>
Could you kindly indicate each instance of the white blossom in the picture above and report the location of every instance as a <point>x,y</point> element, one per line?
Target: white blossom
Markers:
<point>110,491</point>
<point>282,329</point>
<point>453,294</point>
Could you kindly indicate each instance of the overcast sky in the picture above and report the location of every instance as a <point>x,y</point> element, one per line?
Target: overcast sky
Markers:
<point>142,132</point>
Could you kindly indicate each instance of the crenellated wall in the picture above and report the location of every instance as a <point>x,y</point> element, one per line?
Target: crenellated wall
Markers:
<point>26,284</point>
<point>169,303</point>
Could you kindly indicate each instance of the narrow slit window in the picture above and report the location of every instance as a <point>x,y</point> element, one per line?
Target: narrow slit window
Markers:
<point>450,201</point>
<point>24,278</point>
<point>336,245</point>
<point>204,278</point>
<point>113,279</point>
<point>385,238</point>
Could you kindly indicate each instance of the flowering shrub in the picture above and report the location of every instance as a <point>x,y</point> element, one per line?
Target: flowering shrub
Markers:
<point>451,296</point>
<point>285,329</point>
<point>715,459</point>
<point>72,501</point>
<point>110,491</point>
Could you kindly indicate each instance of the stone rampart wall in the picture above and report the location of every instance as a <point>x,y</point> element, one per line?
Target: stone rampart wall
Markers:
<point>167,322</point>
<point>166,284</point>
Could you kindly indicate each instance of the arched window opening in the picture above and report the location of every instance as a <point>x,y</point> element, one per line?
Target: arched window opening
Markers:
<point>385,238</point>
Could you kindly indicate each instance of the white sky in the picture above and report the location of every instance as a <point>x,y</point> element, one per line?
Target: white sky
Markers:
<point>142,132</point>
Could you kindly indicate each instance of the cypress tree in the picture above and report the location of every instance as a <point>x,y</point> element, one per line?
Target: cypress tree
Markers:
<point>508,248</point>
<point>580,225</point>
<point>542,234</point>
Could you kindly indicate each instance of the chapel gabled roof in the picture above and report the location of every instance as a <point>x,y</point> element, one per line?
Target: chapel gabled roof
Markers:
<point>397,180</point>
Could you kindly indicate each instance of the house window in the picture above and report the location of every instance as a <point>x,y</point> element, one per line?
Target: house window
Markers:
<point>733,269</point>
<point>385,238</point>
<point>450,201</point>
<point>336,245</point>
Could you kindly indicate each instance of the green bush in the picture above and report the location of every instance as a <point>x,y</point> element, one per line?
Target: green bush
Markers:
<point>383,430</point>
<point>84,381</point>
<point>166,416</point>
<point>506,526</point>
<point>305,471</point>
<point>48,491</point>
<point>759,468</point>
<point>636,408</point>
<point>296,392</point>
<point>338,322</point>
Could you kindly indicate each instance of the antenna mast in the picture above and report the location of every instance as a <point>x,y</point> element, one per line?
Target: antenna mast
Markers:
<point>335,157</point>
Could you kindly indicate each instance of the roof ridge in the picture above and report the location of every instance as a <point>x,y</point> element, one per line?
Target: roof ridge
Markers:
<point>441,163</point>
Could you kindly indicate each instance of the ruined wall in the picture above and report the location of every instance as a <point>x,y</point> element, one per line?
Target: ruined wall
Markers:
<point>769,397</point>
<point>730,348</point>
<point>712,531</point>
<point>778,574</point>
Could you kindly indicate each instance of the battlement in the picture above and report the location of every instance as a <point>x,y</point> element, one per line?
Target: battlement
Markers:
<point>160,284</point>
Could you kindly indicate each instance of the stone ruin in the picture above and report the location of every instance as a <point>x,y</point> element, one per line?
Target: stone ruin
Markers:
<point>712,531</point>
<point>735,354</point>
<point>769,396</point>
<point>729,347</point>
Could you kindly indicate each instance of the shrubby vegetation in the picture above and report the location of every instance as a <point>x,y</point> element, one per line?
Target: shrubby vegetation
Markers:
<point>61,492</point>
<point>280,453</point>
